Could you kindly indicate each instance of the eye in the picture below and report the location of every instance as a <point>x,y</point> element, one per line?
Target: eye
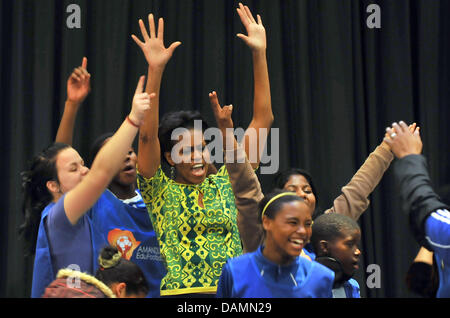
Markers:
<point>307,190</point>
<point>186,150</point>
<point>291,188</point>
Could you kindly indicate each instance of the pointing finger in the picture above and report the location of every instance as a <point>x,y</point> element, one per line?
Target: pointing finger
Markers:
<point>140,85</point>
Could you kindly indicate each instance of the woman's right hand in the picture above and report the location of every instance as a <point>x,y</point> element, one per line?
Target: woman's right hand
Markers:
<point>156,54</point>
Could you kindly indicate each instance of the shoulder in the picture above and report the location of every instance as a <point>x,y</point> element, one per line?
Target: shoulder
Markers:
<point>316,269</point>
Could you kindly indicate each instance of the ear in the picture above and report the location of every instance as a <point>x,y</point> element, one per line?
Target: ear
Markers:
<point>168,157</point>
<point>323,246</point>
<point>266,223</point>
<point>119,289</point>
<point>53,186</point>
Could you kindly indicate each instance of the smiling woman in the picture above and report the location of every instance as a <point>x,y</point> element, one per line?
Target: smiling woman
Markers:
<point>194,214</point>
<point>276,269</point>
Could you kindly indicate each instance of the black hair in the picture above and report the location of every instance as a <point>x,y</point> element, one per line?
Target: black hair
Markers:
<point>179,119</point>
<point>330,226</point>
<point>122,271</point>
<point>97,145</point>
<point>42,169</point>
<point>274,207</point>
<point>282,177</point>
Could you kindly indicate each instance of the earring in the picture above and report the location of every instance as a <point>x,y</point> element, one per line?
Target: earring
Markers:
<point>172,172</point>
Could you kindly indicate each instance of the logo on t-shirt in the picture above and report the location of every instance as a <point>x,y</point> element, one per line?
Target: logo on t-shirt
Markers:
<point>124,241</point>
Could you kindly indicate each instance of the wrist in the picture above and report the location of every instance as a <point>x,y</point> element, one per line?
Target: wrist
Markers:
<point>259,52</point>
<point>156,70</point>
<point>132,121</point>
<point>73,103</point>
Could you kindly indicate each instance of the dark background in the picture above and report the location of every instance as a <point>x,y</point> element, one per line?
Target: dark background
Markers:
<point>335,83</point>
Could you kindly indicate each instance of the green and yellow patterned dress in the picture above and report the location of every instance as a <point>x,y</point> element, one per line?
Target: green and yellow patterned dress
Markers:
<point>195,241</point>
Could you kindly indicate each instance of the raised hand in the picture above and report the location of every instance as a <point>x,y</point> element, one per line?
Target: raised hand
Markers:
<point>403,141</point>
<point>221,114</point>
<point>256,33</point>
<point>156,54</point>
<point>141,103</point>
<point>78,84</point>
<point>412,128</point>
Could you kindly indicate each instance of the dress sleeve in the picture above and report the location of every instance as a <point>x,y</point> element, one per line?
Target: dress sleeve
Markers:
<point>151,187</point>
<point>354,200</point>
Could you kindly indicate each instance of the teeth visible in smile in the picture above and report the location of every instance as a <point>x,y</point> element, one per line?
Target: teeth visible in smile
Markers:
<point>197,166</point>
<point>296,241</point>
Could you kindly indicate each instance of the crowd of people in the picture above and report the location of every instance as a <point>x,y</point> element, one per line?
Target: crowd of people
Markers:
<point>124,226</point>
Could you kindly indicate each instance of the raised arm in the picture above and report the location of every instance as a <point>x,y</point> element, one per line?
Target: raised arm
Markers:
<point>157,56</point>
<point>429,216</point>
<point>108,161</point>
<point>354,199</point>
<point>262,104</point>
<point>78,87</point>
<point>244,182</point>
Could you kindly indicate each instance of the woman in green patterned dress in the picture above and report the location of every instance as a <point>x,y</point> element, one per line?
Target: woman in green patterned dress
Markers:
<point>193,213</point>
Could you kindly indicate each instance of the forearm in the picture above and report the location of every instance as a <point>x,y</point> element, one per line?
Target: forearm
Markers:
<point>262,108</point>
<point>106,164</point>
<point>67,124</point>
<point>417,195</point>
<point>111,156</point>
<point>148,146</point>
<point>248,194</point>
<point>262,104</point>
<point>354,198</point>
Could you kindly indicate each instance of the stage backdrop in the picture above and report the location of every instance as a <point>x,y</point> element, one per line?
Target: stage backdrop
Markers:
<point>339,76</point>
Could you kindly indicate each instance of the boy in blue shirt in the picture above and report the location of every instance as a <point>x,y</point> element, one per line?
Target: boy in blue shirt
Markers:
<point>335,238</point>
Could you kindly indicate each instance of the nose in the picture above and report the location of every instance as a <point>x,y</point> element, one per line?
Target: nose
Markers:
<point>84,170</point>
<point>301,230</point>
<point>357,252</point>
<point>302,194</point>
<point>197,155</point>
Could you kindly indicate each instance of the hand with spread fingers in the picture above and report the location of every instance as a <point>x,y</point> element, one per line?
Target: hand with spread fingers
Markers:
<point>403,141</point>
<point>256,33</point>
<point>156,54</point>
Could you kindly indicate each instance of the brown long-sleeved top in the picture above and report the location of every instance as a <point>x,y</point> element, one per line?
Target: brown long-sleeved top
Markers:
<point>353,200</point>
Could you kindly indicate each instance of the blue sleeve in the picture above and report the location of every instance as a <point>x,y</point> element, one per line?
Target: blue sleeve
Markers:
<point>437,229</point>
<point>69,244</point>
<point>57,218</point>
<point>225,285</point>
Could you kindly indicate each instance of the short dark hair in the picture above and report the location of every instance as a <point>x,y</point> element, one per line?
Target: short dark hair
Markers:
<point>179,119</point>
<point>276,205</point>
<point>330,226</point>
<point>123,271</point>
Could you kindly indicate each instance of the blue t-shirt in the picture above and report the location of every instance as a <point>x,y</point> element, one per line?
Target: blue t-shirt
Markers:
<point>254,276</point>
<point>110,221</point>
<point>130,229</point>
<point>437,230</point>
<point>61,244</point>
<point>70,245</point>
